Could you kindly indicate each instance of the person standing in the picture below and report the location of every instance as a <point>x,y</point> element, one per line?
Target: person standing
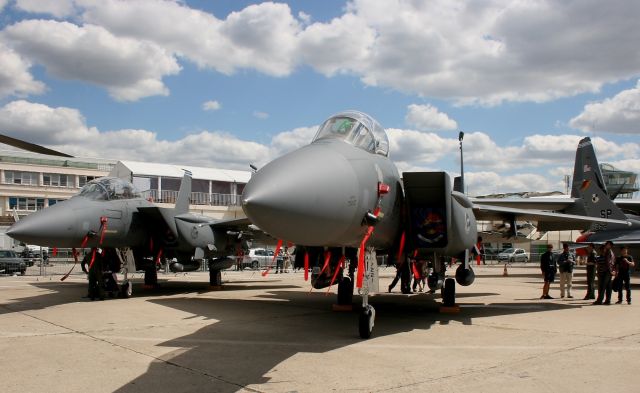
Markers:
<point>605,267</point>
<point>286,260</point>
<point>591,272</point>
<point>624,263</point>
<point>566,262</point>
<point>548,268</point>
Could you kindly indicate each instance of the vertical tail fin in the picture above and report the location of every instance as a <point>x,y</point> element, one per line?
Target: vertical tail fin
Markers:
<point>182,203</point>
<point>589,186</point>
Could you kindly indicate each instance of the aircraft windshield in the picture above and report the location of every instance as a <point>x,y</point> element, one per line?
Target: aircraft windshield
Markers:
<point>358,129</point>
<point>109,188</point>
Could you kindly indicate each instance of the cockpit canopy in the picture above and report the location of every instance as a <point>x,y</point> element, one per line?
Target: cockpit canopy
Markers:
<point>109,188</point>
<point>358,129</point>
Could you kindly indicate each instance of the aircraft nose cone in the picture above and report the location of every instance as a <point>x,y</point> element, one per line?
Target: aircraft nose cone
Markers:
<point>48,227</point>
<point>308,197</point>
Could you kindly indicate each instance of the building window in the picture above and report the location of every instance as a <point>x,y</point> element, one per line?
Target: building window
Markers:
<point>54,201</point>
<point>82,180</point>
<point>26,178</point>
<point>57,180</point>
<point>23,203</point>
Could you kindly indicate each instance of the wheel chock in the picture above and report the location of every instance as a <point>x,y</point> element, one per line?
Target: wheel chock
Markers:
<point>216,287</point>
<point>147,286</point>
<point>342,307</point>
<point>449,309</point>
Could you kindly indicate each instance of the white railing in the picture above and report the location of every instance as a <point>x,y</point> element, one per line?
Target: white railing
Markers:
<point>197,198</point>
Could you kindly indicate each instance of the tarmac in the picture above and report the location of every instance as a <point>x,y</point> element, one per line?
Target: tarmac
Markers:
<point>272,334</point>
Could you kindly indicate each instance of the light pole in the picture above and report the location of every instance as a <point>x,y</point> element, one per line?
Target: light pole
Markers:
<point>460,138</point>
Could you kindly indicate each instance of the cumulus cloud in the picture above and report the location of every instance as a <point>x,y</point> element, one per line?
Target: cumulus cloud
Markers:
<point>260,36</point>
<point>211,105</point>
<point>429,118</point>
<point>419,147</point>
<point>537,164</point>
<point>485,183</point>
<point>65,129</point>
<point>619,114</point>
<point>58,8</point>
<point>287,141</point>
<point>489,52</point>
<point>470,53</point>
<point>129,69</point>
<point>15,78</point>
<point>44,124</point>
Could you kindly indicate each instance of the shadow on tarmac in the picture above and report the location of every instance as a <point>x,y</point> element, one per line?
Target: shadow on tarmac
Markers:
<point>253,336</point>
<point>58,293</point>
<point>250,337</point>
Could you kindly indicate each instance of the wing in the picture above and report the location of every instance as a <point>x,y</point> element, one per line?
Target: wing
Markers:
<point>32,147</point>
<point>547,221</point>
<point>528,203</point>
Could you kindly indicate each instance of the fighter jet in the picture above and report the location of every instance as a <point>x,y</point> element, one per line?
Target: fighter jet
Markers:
<point>589,197</point>
<point>108,213</point>
<point>342,199</point>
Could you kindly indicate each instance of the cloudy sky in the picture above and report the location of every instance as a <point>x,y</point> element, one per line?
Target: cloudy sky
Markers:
<point>226,83</point>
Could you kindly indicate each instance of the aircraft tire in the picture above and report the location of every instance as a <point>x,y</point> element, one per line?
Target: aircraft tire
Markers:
<point>345,291</point>
<point>364,323</point>
<point>215,277</point>
<point>449,292</point>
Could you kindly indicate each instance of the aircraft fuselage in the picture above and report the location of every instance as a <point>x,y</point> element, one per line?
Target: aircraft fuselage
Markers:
<point>319,195</point>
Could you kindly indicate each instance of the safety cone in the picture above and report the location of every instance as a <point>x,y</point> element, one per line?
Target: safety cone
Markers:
<point>505,273</point>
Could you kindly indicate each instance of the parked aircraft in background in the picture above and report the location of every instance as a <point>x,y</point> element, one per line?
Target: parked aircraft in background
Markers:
<point>589,197</point>
<point>341,197</point>
<point>110,214</point>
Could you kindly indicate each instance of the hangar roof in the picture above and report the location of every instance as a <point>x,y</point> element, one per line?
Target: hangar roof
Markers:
<point>168,170</point>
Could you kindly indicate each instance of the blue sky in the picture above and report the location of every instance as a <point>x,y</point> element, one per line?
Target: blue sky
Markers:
<point>130,80</point>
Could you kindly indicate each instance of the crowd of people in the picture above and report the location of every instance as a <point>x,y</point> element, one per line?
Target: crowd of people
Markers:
<point>612,272</point>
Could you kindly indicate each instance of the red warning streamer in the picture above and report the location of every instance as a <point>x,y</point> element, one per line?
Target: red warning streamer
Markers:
<point>158,257</point>
<point>75,259</point>
<point>306,266</point>
<point>103,227</point>
<point>275,256</point>
<point>327,258</point>
<point>335,274</point>
<point>401,248</point>
<point>93,257</point>
<point>366,237</point>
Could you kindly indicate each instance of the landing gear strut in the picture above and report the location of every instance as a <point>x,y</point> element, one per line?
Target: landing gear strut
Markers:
<point>345,291</point>
<point>367,317</point>
<point>151,277</point>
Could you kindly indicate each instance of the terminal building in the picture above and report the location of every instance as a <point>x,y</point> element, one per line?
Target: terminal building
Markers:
<point>30,182</point>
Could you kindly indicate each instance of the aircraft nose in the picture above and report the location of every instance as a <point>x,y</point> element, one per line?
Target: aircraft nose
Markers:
<point>47,227</point>
<point>307,197</point>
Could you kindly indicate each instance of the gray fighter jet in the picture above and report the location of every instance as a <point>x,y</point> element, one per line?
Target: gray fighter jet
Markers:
<point>589,197</point>
<point>341,199</point>
<point>108,213</point>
